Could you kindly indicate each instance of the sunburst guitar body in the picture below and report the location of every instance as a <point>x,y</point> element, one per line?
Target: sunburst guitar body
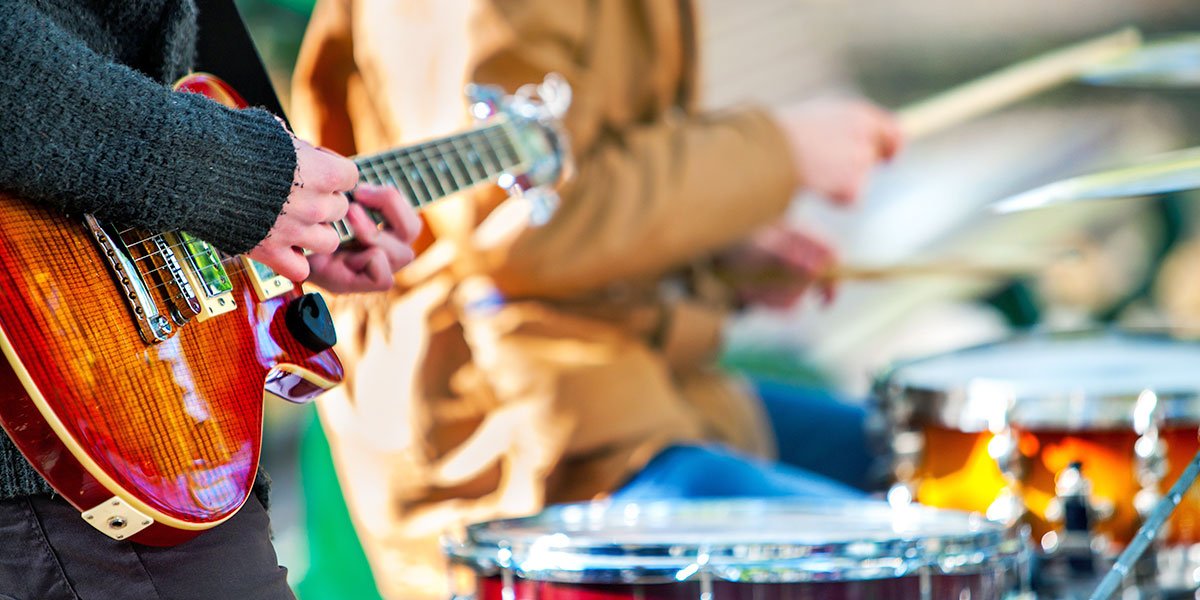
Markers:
<point>137,363</point>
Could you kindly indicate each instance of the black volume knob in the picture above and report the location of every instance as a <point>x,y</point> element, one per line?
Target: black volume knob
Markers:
<point>308,319</point>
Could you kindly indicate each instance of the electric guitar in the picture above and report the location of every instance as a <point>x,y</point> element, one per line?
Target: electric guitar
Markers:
<point>137,361</point>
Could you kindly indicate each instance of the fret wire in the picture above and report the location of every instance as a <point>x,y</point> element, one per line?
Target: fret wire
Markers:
<point>491,164</point>
<point>415,168</point>
<point>501,153</point>
<point>430,154</point>
<point>395,179</point>
<point>415,180</point>
<point>443,189</point>
<point>421,175</point>
<point>392,177</point>
<point>426,144</point>
<point>456,142</point>
<point>426,152</point>
<point>476,168</point>
<point>342,228</point>
<point>455,145</point>
<point>459,176</point>
<point>411,192</point>
<point>377,172</point>
<point>403,181</point>
<point>419,159</point>
<point>506,142</point>
<point>373,174</point>
<point>369,172</point>
<point>491,138</point>
<point>412,172</point>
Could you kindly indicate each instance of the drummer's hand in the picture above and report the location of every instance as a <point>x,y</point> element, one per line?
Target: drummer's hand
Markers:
<point>779,264</point>
<point>835,144</point>
<point>367,266</point>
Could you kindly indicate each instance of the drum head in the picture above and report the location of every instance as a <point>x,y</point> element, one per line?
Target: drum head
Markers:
<point>749,541</point>
<point>1059,382</point>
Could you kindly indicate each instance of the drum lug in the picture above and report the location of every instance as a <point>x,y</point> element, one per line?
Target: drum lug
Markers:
<point>1150,452</point>
<point>1009,506</point>
<point>1006,508</point>
<point>903,440</point>
<point>1076,544</point>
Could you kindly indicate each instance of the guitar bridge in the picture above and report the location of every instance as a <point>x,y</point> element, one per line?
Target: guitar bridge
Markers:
<point>153,326</point>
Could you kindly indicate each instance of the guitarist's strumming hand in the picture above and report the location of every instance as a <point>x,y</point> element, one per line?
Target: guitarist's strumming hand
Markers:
<point>316,200</point>
<point>368,265</point>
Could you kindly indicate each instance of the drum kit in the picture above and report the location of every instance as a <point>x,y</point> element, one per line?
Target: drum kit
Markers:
<point>1075,435</point>
<point>1046,465</point>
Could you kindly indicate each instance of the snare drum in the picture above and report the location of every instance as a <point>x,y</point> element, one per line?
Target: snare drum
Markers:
<point>1027,428</point>
<point>743,550</point>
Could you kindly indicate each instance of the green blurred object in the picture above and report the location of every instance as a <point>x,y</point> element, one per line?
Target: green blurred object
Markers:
<point>337,566</point>
<point>778,365</point>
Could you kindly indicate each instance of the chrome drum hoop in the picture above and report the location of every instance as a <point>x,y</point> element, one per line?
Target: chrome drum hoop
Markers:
<point>977,401</point>
<point>629,557</point>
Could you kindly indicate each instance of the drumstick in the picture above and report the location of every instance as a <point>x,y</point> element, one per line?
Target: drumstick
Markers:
<point>1013,83</point>
<point>782,276</point>
<point>1148,532</point>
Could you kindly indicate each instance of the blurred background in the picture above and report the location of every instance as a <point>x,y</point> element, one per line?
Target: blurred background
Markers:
<point>1126,262</point>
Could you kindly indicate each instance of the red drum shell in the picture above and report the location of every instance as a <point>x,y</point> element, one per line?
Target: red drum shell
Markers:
<point>942,587</point>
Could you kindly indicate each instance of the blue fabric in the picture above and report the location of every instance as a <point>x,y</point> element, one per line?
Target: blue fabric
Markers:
<point>823,453</point>
<point>715,472</point>
<point>818,432</point>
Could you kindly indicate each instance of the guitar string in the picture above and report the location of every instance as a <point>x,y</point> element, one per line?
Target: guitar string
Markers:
<point>370,162</point>
<point>398,156</point>
<point>495,138</point>
<point>431,151</point>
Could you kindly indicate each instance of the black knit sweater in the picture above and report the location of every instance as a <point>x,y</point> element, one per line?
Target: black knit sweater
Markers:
<point>88,124</point>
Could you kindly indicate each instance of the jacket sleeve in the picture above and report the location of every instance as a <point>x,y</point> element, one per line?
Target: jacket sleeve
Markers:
<point>321,82</point>
<point>83,134</point>
<point>648,197</point>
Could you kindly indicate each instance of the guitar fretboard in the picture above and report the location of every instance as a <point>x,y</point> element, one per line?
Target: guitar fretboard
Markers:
<point>433,169</point>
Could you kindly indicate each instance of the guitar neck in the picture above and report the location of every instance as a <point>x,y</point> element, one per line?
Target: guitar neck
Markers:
<point>434,169</point>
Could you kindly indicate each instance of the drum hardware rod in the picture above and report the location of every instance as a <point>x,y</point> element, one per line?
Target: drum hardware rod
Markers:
<point>1147,533</point>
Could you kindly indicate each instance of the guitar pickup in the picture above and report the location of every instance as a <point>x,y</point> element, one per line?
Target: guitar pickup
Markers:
<point>267,284</point>
<point>206,274</point>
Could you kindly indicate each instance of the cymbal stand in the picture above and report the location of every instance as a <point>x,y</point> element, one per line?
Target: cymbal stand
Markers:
<point>1147,533</point>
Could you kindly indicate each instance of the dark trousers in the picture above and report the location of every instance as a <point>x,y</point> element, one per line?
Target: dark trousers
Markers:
<point>47,552</point>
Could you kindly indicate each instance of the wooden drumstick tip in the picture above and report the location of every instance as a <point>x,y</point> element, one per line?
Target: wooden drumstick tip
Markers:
<point>1014,83</point>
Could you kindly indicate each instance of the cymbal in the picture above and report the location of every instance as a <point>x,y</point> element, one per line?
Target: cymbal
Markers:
<point>1170,172</point>
<point>1168,62</point>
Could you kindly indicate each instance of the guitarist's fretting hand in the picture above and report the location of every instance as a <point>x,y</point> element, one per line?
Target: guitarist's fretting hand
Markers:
<point>317,199</point>
<point>368,267</point>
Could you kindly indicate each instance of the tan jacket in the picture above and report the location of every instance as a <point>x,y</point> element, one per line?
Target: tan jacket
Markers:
<point>448,417</point>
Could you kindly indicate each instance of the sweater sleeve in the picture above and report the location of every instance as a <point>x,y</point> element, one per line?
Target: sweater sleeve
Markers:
<point>83,134</point>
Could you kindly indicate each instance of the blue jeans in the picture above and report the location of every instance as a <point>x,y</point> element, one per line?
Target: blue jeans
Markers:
<point>823,453</point>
